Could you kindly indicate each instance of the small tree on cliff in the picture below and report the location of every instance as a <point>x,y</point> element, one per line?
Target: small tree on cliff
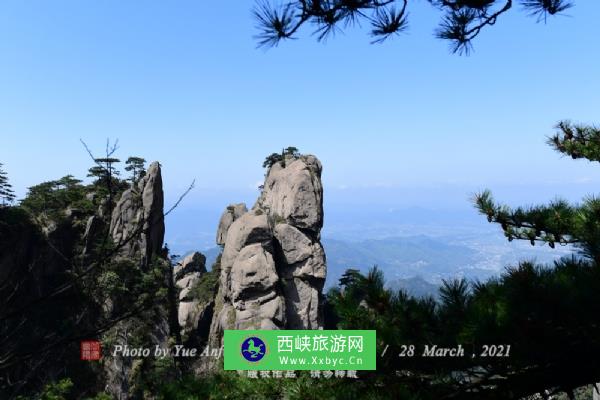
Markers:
<point>274,158</point>
<point>291,151</point>
<point>135,165</point>
<point>461,22</point>
<point>42,323</point>
<point>6,192</point>
<point>104,172</point>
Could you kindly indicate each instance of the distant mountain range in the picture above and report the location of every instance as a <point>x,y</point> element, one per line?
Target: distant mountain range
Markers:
<point>404,242</point>
<point>419,263</point>
<point>398,257</point>
<point>415,286</point>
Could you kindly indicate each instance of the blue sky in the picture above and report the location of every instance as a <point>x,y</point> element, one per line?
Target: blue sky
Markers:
<point>397,124</point>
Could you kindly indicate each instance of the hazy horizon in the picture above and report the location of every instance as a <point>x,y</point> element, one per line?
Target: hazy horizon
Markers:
<point>424,132</point>
<point>213,109</point>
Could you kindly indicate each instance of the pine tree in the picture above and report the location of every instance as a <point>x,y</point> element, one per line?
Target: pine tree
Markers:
<point>104,170</point>
<point>271,160</point>
<point>462,20</point>
<point>6,192</point>
<point>553,307</point>
<point>135,165</point>
<point>558,222</point>
<point>274,158</point>
<point>291,151</point>
<point>68,182</point>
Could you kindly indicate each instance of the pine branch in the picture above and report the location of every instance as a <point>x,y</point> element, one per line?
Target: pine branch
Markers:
<point>276,23</point>
<point>556,223</point>
<point>576,140</point>
<point>542,8</point>
<point>462,20</point>
<point>388,22</point>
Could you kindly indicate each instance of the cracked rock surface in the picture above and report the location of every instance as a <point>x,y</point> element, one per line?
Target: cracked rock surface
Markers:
<point>273,266</point>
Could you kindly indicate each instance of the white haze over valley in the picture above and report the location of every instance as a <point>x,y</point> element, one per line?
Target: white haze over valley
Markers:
<point>382,226</point>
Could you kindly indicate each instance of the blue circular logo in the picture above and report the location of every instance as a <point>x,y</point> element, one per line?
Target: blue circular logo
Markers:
<point>253,349</point>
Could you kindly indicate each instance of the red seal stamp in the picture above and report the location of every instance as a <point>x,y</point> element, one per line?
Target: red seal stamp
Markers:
<point>90,350</point>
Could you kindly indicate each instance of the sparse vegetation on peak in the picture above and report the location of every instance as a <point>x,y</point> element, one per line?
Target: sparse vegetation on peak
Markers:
<point>288,152</point>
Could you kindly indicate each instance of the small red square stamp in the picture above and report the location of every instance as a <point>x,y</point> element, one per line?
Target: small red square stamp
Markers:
<point>90,350</point>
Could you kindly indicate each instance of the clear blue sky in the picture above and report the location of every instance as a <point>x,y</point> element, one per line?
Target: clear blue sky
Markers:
<point>182,82</point>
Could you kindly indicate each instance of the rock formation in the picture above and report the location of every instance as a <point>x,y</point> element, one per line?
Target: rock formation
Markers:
<point>231,213</point>
<point>186,274</point>
<point>140,210</point>
<point>273,265</point>
<point>137,227</point>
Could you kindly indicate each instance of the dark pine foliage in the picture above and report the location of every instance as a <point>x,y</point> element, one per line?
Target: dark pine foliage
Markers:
<point>461,21</point>
<point>549,316</point>
<point>54,294</point>
<point>7,194</point>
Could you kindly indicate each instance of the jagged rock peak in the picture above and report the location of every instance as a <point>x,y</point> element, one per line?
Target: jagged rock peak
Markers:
<point>140,208</point>
<point>273,266</point>
<point>293,192</point>
<point>193,262</point>
<point>231,213</point>
<point>186,275</point>
<point>137,227</point>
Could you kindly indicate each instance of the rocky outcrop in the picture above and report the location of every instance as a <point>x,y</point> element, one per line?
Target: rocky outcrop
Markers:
<point>231,213</point>
<point>293,193</point>
<point>139,214</point>
<point>137,229</point>
<point>42,247</point>
<point>186,274</point>
<point>94,229</point>
<point>303,271</point>
<point>192,263</point>
<point>273,265</point>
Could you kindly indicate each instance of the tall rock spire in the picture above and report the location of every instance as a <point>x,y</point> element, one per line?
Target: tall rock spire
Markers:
<point>140,210</point>
<point>273,265</point>
<point>137,227</point>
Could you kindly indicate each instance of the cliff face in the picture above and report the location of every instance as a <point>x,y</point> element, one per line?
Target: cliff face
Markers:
<point>269,276</point>
<point>293,192</point>
<point>231,213</point>
<point>32,262</point>
<point>293,196</point>
<point>186,275</point>
<point>140,210</point>
<point>137,226</point>
<point>63,283</point>
<point>273,265</point>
